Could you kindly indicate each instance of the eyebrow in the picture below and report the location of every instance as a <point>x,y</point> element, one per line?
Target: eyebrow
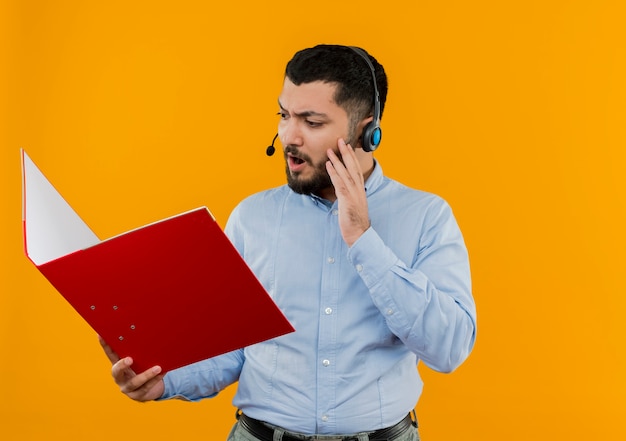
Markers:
<point>306,113</point>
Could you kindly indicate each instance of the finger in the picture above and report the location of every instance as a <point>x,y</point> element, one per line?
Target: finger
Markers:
<point>141,383</point>
<point>338,163</point>
<point>110,353</point>
<point>348,154</point>
<point>333,158</point>
<point>350,162</point>
<point>122,371</point>
<point>346,150</point>
<point>334,167</point>
<point>342,179</point>
<point>129,381</point>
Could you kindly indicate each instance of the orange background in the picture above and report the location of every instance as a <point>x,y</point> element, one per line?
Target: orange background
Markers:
<point>513,111</point>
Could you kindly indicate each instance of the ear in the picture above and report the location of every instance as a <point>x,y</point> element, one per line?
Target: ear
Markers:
<point>359,130</point>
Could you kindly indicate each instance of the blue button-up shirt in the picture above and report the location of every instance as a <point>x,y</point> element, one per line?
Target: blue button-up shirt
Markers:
<point>364,316</point>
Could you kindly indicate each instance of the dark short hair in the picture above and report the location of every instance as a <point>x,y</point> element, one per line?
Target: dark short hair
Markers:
<point>345,67</point>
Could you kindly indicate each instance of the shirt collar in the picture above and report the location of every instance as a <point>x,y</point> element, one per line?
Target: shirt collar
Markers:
<point>375,180</point>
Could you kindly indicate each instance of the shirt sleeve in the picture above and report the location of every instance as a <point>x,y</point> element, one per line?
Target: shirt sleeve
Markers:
<point>427,303</point>
<point>204,379</point>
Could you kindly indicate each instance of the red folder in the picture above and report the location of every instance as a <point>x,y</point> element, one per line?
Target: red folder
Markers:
<point>171,293</point>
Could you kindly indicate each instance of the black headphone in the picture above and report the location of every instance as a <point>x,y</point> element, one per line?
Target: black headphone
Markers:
<point>372,134</point>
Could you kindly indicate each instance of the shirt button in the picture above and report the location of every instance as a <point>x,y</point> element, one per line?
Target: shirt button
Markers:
<point>331,260</point>
<point>324,418</point>
<point>328,311</point>
<point>326,363</point>
<point>389,311</point>
<point>335,212</point>
<point>359,267</point>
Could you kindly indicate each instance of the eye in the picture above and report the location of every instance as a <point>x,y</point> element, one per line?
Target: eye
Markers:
<point>283,115</point>
<point>313,123</point>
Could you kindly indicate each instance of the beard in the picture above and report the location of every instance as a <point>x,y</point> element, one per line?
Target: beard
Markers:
<point>313,185</point>
<point>320,179</point>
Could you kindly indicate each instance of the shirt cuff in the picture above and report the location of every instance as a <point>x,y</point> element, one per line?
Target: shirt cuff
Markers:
<point>371,257</point>
<point>177,380</point>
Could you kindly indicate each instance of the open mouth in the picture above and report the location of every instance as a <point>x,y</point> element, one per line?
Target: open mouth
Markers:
<point>296,160</point>
<point>295,163</point>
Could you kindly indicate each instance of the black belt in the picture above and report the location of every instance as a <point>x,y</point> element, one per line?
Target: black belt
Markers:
<point>266,433</point>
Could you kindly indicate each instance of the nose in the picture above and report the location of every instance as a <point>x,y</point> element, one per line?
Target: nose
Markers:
<point>289,132</point>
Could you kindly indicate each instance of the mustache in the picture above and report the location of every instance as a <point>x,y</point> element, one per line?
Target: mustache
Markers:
<point>294,151</point>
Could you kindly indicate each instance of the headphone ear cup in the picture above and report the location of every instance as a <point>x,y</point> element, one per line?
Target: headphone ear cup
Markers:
<point>372,135</point>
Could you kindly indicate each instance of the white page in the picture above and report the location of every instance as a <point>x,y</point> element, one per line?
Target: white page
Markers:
<point>52,228</point>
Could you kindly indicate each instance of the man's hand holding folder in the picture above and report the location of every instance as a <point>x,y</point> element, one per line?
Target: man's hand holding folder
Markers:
<point>145,386</point>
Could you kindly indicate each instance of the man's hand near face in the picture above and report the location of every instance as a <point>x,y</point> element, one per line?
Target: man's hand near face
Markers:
<point>347,178</point>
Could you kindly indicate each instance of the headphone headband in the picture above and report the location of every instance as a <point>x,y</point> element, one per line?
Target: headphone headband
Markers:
<point>372,133</point>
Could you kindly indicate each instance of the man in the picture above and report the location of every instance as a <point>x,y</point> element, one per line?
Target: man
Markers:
<point>374,276</point>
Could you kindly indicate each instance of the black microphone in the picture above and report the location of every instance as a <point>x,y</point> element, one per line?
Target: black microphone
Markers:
<point>271,149</point>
